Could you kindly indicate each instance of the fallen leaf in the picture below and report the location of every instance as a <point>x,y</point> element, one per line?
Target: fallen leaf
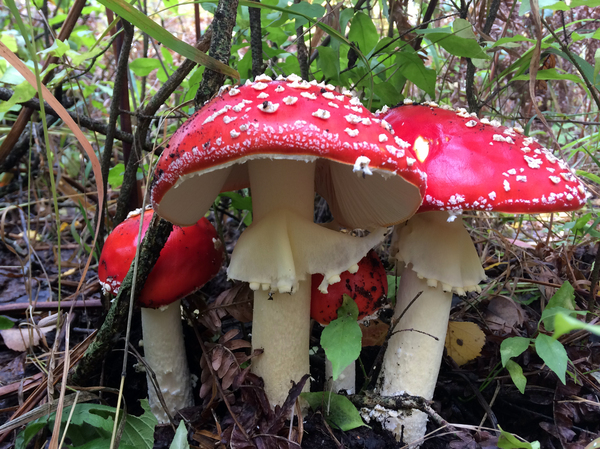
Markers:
<point>20,339</point>
<point>374,332</point>
<point>464,341</point>
<point>503,314</point>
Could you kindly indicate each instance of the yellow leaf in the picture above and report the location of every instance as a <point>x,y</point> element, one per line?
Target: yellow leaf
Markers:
<point>464,341</point>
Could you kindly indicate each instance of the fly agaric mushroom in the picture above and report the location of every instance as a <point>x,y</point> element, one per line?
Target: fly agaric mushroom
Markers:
<point>368,288</point>
<point>471,164</point>
<point>285,138</point>
<point>189,259</point>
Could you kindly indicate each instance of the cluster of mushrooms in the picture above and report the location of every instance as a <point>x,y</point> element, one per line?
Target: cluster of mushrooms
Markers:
<point>413,166</point>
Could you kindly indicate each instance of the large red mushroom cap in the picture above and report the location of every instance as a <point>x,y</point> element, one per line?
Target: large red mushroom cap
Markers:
<point>190,258</point>
<point>294,120</point>
<point>475,164</point>
<point>368,287</point>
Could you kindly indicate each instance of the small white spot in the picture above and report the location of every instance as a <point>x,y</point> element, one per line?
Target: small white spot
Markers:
<point>263,95</point>
<point>512,171</point>
<point>244,128</point>
<point>263,78</point>
<point>268,107</point>
<point>259,86</point>
<point>395,151</point>
<point>495,123</point>
<point>408,101</point>
<point>362,165</point>
<point>233,92</point>
<point>471,124</point>
<point>329,96</point>
<point>339,97</point>
<point>385,125</point>
<point>234,133</point>
<point>518,129</point>
<point>433,104</point>
<point>533,162</point>
<point>309,95</point>
<point>354,101</point>
<point>506,185</point>
<point>410,161</point>
<point>322,113</point>
<point>485,121</point>
<point>279,89</point>
<point>492,195</point>
<point>293,77</point>
<point>333,105</point>
<point>354,119</point>
<point>383,138</point>
<point>290,100</point>
<point>366,121</point>
<point>525,149</point>
<point>352,133</point>
<point>521,178</point>
<point>555,179</point>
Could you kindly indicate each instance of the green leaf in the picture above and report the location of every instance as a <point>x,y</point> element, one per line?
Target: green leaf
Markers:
<point>5,323</point>
<point>414,70</point>
<point>329,62</point>
<point>550,74</point>
<point>143,66</point>
<point>115,175</point>
<point>180,439</point>
<point>58,48</point>
<point>516,374</point>
<point>456,45</point>
<point>563,299</point>
<point>513,347</point>
<point>590,176</point>
<point>509,441</point>
<point>563,324</point>
<point>341,339</point>
<point>23,92</point>
<point>338,410</point>
<point>363,32</point>
<point>312,10</point>
<point>144,23</point>
<point>553,353</point>
<point>462,28</point>
<point>596,64</point>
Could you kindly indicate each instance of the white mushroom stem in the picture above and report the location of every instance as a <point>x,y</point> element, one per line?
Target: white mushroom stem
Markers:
<point>164,351</point>
<point>277,255</point>
<point>440,258</point>
<point>346,381</point>
<point>412,360</point>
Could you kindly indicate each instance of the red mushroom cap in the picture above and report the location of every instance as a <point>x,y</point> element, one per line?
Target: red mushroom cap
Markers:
<point>368,287</point>
<point>293,120</point>
<point>189,259</point>
<point>474,164</point>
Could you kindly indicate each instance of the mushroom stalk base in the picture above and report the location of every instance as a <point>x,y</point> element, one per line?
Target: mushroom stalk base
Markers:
<point>412,360</point>
<point>164,351</point>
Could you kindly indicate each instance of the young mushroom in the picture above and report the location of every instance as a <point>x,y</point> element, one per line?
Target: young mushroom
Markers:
<point>471,164</point>
<point>284,138</point>
<point>189,259</point>
<point>368,288</point>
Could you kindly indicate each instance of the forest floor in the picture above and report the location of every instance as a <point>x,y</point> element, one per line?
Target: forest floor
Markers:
<point>525,267</point>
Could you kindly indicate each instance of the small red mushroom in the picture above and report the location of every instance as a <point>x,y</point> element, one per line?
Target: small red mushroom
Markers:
<point>189,259</point>
<point>368,288</point>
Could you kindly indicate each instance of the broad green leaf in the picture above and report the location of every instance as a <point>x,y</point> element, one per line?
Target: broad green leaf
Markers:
<point>513,347</point>
<point>463,28</point>
<point>58,48</point>
<point>23,92</point>
<point>5,323</point>
<point>9,40</point>
<point>115,175</point>
<point>512,39</point>
<point>388,93</point>
<point>516,374</point>
<point>550,74</point>
<point>363,32</point>
<point>341,339</point>
<point>180,439</point>
<point>563,298</point>
<point>312,10</point>
<point>413,69</point>
<point>456,45</point>
<point>590,176</point>
<point>509,441</point>
<point>144,23</point>
<point>553,353</point>
<point>339,412</point>
<point>329,63</point>
<point>563,324</point>
<point>143,66</point>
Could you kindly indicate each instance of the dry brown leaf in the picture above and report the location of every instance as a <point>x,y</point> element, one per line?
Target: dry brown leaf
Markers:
<point>21,339</point>
<point>464,341</point>
<point>503,314</point>
<point>374,332</point>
